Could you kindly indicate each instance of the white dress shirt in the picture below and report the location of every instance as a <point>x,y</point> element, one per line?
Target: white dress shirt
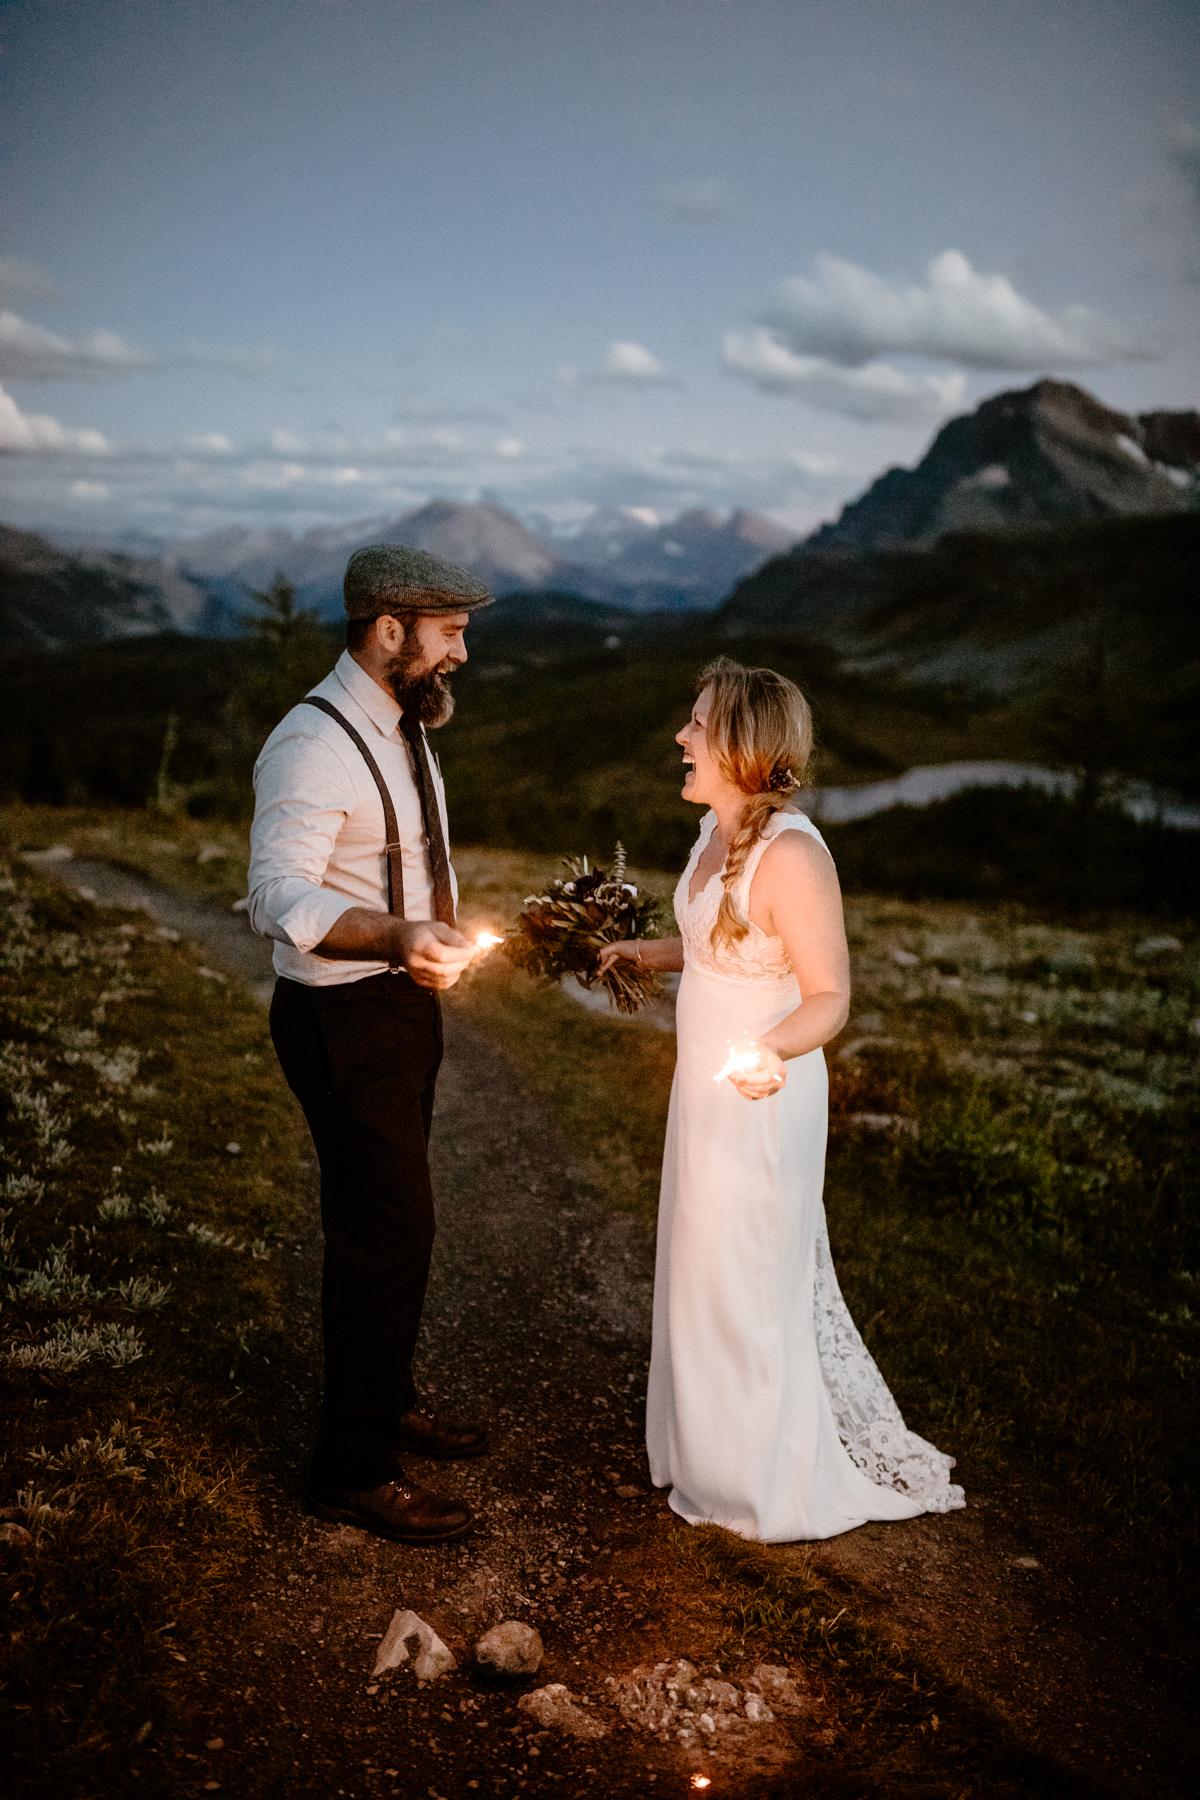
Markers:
<point>316,845</point>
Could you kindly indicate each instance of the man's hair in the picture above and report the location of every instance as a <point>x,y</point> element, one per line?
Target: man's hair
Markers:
<point>358,630</point>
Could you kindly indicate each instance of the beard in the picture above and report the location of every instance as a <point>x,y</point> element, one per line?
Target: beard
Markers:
<point>427,696</point>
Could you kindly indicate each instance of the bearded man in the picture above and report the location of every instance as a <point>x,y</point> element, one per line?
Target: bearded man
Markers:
<point>350,875</point>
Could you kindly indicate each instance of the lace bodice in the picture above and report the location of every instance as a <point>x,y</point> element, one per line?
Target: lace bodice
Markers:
<point>757,957</point>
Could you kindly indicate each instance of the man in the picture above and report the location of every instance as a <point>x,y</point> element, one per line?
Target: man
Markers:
<point>350,875</point>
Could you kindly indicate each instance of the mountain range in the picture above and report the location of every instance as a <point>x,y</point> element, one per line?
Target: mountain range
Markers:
<point>878,583</point>
<point>622,556</point>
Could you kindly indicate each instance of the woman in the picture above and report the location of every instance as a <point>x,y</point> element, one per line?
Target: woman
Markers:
<point>765,1412</point>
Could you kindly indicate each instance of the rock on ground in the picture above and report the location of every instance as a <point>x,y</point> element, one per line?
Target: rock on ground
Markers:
<point>673,1701</point>
<point>556,1709</point>
<point>510,1648</point>
<point>407,1638</point>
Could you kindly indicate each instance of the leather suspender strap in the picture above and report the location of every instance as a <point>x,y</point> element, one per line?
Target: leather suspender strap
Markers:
<point>391,849</point>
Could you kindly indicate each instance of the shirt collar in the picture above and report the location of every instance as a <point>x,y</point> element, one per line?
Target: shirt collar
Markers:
<point>376,702</point>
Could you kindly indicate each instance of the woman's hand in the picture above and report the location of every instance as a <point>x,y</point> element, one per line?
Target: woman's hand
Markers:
<point>763,1078</point>
<point>624,950</point>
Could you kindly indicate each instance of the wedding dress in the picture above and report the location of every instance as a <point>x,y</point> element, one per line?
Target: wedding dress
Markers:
<point>765,1411</point>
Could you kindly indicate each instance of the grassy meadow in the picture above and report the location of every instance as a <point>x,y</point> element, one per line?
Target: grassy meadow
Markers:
<point>150,1172</point>
<point>1010,1190</point>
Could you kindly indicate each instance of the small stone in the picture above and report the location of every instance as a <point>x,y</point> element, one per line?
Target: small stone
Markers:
<point>707,1723</point>
<point>233,1149</point>
<point>214,1743</point>
<point>210,853</point>
<point>720,1693</point>
<point>757,1710</point>
<point>778,1687</point>
<point>409,1638</point>
<point>242,905</point>
<point>166,935</point>
<point>510,1648</point>
<point>1026,1562</point>
<point>555,1709</point>
<point>628,1492</point>
<point>1028,1018</point>
<point>905,959</point>
<point>1164,945</point>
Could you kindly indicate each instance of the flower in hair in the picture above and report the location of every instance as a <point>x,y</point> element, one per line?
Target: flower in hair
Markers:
<point>781,781</point>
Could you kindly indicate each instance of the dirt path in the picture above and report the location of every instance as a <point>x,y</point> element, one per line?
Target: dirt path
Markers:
<point>537,1318</point>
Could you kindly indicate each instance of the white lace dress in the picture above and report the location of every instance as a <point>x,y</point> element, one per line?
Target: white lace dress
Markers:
<point>765,1411</point>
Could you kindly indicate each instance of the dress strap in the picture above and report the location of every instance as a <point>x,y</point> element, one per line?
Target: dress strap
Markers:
<point>787,820</point>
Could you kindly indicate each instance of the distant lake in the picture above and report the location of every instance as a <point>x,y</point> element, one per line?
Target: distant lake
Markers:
<point>935,781</point>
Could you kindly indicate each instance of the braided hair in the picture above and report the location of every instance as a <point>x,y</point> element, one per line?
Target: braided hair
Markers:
<point>760,730</point>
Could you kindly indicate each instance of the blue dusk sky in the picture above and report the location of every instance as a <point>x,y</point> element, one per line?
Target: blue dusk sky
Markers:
<point>304,262</point>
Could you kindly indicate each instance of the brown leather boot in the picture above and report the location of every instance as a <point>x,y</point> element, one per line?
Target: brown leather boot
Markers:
<point>422,1433</point>
<point>398,1509</point>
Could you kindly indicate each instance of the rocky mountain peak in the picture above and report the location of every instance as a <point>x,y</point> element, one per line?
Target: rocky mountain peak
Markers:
<point>1046,452</point>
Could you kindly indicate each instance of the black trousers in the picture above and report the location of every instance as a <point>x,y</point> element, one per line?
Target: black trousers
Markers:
<point>362,1058</point>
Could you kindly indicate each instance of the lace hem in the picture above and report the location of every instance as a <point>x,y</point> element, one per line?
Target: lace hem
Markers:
<point>867,1417</point>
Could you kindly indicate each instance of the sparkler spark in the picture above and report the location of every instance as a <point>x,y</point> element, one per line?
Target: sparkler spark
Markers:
<point>739,1062</point>
<point>487,940</point>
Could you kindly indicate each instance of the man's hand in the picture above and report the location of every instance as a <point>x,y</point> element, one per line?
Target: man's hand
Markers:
<point>435,955</point>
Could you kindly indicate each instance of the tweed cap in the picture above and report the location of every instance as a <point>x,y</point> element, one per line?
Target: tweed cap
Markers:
<point>384,578</point>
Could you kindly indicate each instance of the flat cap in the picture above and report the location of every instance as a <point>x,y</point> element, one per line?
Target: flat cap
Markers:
<point>384,578</point>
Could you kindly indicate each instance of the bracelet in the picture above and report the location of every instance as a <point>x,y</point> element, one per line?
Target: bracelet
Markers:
<point>637,951</point>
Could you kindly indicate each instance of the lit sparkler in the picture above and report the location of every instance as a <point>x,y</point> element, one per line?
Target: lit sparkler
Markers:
<point>746,1061</point>
<point>739,1062</point>
<point>487,940</point>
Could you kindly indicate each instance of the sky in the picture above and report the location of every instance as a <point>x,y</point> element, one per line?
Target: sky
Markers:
<point>306,262</point>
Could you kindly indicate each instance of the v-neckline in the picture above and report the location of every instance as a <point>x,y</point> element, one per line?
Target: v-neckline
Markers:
<point>692,898</point>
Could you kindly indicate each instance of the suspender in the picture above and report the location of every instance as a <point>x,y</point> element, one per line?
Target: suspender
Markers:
<point>391,849</point>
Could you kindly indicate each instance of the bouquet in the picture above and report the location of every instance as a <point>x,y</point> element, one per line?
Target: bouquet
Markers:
<point>562,931</point>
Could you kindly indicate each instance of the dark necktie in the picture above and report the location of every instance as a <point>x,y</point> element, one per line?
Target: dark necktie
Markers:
<point>439,861</point>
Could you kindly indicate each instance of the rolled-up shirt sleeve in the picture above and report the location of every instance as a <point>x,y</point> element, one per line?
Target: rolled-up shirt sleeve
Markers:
<point>302,794</point>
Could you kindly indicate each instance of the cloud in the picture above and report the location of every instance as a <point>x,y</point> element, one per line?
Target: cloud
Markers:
<point>849,315</point>
<point>706,202</point>
<point>818,465</point>
<point>210,443</point>
<point>28,352</point>
<point>39,435</point>
<point>306,477</point>
<point>22,280</point>
<point>876,392</point>
<point>629,365</point>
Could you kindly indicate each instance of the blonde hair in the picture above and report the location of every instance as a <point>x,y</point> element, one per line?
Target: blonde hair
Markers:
<point>760,732</point>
